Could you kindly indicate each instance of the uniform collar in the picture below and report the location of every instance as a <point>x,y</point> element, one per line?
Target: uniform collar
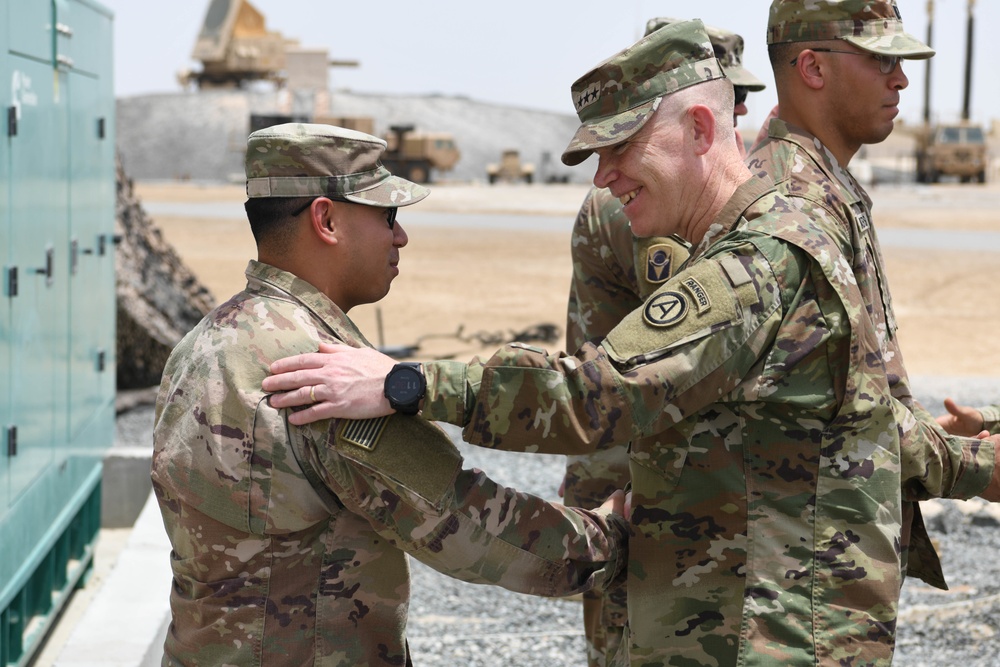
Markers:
<point>780,130</point>
<point>746,194</point>
<point>266,280</point>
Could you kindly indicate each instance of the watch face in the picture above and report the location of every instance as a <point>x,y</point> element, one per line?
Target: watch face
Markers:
<point>404,385</point>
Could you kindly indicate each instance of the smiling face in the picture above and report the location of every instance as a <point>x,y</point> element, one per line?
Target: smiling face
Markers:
<point>644,172</point>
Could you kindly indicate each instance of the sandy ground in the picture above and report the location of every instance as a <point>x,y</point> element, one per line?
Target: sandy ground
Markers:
<point>488,283</point>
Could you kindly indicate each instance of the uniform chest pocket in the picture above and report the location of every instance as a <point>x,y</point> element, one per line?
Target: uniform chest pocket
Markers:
<point>657,462</point>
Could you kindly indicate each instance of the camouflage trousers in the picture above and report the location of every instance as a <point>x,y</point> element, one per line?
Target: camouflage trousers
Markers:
<point>589,480</point>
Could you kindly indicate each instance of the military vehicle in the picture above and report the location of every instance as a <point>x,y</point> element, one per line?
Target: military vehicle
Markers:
<point>412,154</point>
<point>952,149</point>
<point>510,169</point>
<point>235,47</point>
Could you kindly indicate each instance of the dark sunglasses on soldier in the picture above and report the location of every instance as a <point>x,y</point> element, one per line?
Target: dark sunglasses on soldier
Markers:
<point>390,216</point>
<point>390,212</point>
<point>741,95</point>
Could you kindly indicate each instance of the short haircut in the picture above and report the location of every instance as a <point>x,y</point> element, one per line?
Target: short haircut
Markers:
<point>782,54</point>
<point>717,95</point>
<point>271,219</point>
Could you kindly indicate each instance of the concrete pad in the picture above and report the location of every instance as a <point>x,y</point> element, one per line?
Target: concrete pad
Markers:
<point>125,623</point>
<point>126,485</point>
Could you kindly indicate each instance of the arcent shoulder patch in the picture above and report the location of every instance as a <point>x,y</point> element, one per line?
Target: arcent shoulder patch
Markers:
<point>665,309</point>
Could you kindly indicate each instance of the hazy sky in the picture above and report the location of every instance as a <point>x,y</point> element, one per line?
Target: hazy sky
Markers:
<point>524,53</point>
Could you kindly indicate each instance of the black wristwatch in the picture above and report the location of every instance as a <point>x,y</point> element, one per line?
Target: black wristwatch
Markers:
<point>404,387</point>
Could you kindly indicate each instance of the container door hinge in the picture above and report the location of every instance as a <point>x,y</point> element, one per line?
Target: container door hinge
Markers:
<point>12,281</point>
<point>11,121</point>
<point>102,361</point>
<point>101,131</point>
<point>11,441</point>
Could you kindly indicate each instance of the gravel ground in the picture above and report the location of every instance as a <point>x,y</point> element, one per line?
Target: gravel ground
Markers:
<point>454,623</point>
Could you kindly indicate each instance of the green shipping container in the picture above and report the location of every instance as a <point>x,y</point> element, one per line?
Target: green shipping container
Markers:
<point>57,308</point>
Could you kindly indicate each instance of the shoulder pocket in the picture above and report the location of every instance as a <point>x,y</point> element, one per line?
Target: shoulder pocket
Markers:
<point>409,451</point>
<point>706,297</point>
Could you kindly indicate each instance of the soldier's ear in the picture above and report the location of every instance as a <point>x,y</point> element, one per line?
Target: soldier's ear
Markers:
<point>702,127</point>
<point>810,70</point>
<point>324,220</point>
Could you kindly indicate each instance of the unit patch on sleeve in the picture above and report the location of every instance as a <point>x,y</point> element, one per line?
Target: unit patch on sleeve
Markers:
<point>658,262</point>
<point>666,309</point>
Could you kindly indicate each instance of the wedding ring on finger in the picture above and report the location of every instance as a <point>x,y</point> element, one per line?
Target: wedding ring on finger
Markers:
<point>312,394</point>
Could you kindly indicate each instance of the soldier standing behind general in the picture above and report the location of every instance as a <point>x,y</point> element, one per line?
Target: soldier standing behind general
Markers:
<point>766,506</point>
<point>838,72</point>
<point>288,541</point>
<point>614,271</point>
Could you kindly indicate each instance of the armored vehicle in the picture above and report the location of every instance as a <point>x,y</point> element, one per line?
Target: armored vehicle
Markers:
<point>510,169</point>
<point>952,149</point>
<point>412,154</point>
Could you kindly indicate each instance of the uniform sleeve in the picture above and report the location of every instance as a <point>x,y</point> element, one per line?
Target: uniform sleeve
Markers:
<point>603,289</point>
<point>991,418</point>
<point>406,478</point>
<point>691,342</point>
<point>936,464</point>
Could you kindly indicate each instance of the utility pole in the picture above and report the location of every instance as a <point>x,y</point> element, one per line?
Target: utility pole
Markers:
<point>968,62</point>
<point>927,63</point>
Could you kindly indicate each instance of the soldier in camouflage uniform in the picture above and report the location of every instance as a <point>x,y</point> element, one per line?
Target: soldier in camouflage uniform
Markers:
<point>614,271</point>
<point>765,451</point>
<point>838,73</point>
<point>968,421</point>
<point>288,542</point>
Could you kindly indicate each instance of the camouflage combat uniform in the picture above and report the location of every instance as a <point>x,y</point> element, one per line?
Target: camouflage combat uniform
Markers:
<point>814,182</point>
<point>765,468</point>
<point>991,418</point>
<point>288,545</point>
<point>613,272</point>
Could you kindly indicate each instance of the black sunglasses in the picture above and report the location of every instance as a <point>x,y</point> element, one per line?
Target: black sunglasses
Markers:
<point>741,95</point>
<point>390,212</point>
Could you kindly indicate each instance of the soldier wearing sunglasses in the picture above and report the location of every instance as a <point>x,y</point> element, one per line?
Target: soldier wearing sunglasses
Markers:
<point>289,543</point>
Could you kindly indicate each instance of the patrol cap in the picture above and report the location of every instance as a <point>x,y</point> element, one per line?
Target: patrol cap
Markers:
<point>728,49</point>
<point>875,26</point>
<point>618,97</point>
<point>310,160</point>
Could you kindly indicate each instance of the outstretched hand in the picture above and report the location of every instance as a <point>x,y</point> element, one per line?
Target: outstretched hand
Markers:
<point>961,420</point>
<point>338,381</point>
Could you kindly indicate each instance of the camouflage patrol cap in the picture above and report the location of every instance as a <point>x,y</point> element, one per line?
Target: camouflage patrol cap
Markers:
<point>309,160</point>
<point>618,97</point>
<point>728,49</point>
<point>875,26</point>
